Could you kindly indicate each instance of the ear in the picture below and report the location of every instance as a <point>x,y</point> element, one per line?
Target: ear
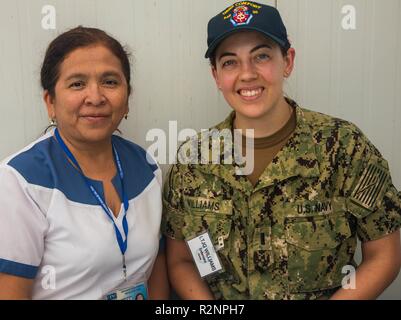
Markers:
<point>289,62</point>
<point>129,96</point>
<point>216,77</point>
<point>49,101</point>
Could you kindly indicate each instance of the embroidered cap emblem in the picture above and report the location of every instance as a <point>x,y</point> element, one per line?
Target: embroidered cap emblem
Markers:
<point>241,16</point>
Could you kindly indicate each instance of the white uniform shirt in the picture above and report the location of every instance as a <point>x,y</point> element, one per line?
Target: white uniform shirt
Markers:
<point>53,230</point>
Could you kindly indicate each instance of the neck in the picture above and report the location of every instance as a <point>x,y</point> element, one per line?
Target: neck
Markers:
<point>95,159</point>
<point>270,123</point>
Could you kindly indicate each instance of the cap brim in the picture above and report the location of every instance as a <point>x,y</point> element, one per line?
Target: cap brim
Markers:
<point>217,41</point>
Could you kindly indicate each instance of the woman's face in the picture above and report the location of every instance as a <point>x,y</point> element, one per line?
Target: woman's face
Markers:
<point>91,95</point>
<point>250,71</point>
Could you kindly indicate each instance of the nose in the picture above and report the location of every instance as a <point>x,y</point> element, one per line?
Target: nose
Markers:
<point>94,95</point>
<point>248,71</point>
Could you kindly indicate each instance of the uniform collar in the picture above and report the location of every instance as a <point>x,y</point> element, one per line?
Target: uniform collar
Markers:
<point>297,158</point>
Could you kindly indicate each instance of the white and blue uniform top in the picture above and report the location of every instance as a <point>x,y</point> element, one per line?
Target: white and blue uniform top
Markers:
<point>53,230</point>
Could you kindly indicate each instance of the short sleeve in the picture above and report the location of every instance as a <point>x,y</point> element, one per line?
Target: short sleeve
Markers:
<point>385,220</point>
<point>22,226</point>
<point>373,199</point>
<point>173,211</point>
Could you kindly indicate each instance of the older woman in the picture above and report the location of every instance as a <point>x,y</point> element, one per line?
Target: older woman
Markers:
<point>288,228</point>
<point>80,209</point>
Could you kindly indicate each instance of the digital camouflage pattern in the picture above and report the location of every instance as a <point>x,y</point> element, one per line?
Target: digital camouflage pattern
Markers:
<point>291,235</point>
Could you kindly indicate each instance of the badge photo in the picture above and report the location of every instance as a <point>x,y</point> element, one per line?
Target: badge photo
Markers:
<point>134,288</point>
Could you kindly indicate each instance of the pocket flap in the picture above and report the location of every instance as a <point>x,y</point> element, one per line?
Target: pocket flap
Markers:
<point>316,233</point>
<point>218,227</point>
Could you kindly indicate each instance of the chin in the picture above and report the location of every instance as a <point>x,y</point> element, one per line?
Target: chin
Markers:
<point>253,113</point>
<point>96,135</point>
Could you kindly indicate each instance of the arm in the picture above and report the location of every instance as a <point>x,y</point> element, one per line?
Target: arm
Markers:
<point>15,288</point>
<point>380,265</point>
<point>158,285</point>
<point>183,273</point>
<point>23,227</point>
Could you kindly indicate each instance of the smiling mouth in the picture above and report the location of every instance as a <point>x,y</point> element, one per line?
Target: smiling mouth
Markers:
<point>250,93</point>
<point>95,118</point>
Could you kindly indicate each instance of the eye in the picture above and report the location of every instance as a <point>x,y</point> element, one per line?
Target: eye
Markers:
<point>77,85</point>
<point>262,57</point>
<point>228,63</point>
<point>111,82</point>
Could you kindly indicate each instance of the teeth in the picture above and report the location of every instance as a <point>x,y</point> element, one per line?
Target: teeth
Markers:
<point>250,93</point>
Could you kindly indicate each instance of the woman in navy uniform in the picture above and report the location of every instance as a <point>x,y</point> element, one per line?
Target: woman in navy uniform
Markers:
<point>288,229</point>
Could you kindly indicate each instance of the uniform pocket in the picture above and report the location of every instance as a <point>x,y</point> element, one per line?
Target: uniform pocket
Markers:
<point>215,216</point>
<point>318,248</point>
<point>219,228</point>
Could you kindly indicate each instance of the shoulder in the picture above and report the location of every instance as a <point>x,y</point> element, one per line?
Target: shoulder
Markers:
<point>136,154</point>
<point>32,163</point>
<point>320,122</point>
<point>196,149</point>
<point>139,167</point>
<point>329,129</point>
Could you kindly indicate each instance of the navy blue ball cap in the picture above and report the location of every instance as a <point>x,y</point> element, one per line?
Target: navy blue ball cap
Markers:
<point>246,15</point>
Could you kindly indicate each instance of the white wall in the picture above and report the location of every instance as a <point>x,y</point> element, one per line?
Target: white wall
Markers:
<point>354,74</point>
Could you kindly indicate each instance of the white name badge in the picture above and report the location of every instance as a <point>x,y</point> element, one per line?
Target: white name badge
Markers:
<point>204,255</point>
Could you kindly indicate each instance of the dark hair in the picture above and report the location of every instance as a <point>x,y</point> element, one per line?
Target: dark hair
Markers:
<point>73,39</point>
<point>212,58</point>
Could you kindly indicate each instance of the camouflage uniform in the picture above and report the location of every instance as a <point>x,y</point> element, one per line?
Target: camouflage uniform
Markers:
<point>289,236</point>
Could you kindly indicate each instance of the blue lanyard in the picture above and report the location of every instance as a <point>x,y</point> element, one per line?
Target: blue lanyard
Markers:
<point>121,243</point>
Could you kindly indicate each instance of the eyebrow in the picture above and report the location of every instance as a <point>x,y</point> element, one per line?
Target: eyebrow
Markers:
<point>260,47</point>
<point>75,76</point>
<point>111,73</point>
<point>84,76</point>
<point>225,54</point>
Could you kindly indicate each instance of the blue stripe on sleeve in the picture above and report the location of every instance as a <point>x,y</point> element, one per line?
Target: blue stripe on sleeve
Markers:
<point>18,269</point>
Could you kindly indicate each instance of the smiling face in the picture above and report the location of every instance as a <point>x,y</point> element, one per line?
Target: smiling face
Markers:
<point>91,95</point>
<point>250,70</point>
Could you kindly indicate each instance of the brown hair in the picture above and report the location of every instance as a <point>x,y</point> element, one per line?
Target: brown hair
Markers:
<point>73,39</point>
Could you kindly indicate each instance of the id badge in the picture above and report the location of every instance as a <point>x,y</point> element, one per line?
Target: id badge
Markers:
<point>204,255</point>
<point>132,289</point>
